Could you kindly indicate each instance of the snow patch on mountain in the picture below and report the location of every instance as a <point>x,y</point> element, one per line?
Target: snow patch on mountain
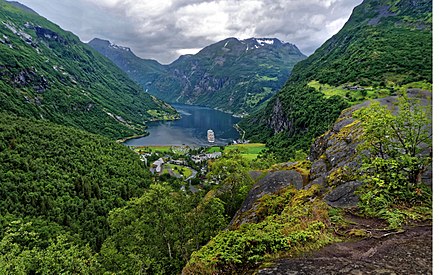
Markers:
<point>263,42</point>
<point>117,47</point>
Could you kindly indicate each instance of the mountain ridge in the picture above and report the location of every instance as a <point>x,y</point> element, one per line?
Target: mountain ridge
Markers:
<point>48,73</point>
<point>232,75</point>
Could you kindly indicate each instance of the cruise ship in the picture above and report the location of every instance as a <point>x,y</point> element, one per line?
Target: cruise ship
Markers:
<point>210,136</point>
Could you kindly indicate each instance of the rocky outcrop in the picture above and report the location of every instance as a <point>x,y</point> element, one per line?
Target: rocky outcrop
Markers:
<point>278,120</point>
<point>28,77</point>
<point>47,34</point>
<point>272,183</point>
<point>334,155</point>
<point>343,195</point>
<point>409,252</point>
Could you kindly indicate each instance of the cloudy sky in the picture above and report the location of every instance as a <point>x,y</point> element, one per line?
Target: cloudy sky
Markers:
<point>165,29</point>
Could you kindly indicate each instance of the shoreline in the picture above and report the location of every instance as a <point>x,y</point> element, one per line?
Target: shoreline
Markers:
<point>125,139</point>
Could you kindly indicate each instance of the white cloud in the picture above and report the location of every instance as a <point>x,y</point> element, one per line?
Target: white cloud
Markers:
<point>203,20</point>
<point>105,3</point>
<point>187,51</point>
<point>334,26</point>
<point>163,29</point>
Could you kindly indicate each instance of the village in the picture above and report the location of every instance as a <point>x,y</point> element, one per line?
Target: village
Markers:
<point>188,165</point>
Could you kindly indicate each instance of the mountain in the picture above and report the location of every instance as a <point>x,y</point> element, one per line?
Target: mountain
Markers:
<point>48,73</point>
<point>385,47</point>
<point>232,75</point>
<point>142,71</point>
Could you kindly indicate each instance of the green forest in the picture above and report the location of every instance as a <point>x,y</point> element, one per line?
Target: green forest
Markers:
<point>90,201</point>
<point>65,176</point>
<point>73,200</point>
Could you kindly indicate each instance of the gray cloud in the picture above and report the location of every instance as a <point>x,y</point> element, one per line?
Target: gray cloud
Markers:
<point>164,29</point>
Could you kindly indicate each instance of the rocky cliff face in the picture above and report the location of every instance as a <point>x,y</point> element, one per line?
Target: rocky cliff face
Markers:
<point>335,164</point>
<point>336,159</point>
<point>278,120</point>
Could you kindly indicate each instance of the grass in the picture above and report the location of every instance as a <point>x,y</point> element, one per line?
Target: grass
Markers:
<point>248,151</point>
<point>353,97</point>
<point>420,85</point>
<point>253,99</point>
<point>185,172</point>
<point>356,97</point>
<point>266,78</point>
<point>250,148</point>
<point>158,148</point>
<point>161,115</point>
<point>214,149</point>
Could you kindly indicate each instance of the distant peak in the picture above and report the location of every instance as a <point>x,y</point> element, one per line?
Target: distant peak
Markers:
<point>99,41</point>
<point>257,42</point>
<point>264,41</point>
<point>117,47</point>
<point>107,43</point>
<point>21,6</point>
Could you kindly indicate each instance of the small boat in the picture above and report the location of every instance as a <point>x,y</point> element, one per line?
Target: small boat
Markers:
<point>210,136</point>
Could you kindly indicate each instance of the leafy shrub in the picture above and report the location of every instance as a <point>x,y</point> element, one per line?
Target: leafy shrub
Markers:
<point>397,150</point>
<point>300,226</point>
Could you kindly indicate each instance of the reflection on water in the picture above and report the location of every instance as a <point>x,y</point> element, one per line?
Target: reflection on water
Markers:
<point>191,129</point>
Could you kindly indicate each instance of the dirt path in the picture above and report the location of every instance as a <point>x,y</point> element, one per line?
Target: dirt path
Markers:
<point>408,252</point>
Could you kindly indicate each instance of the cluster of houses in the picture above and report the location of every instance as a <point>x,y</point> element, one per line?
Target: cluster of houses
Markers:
<point>353,88</point>
<point>158,166</point>
<point>203,157</point>
<point>241,141</point>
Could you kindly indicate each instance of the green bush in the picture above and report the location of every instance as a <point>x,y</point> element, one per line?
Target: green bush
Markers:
<point>397,151</point>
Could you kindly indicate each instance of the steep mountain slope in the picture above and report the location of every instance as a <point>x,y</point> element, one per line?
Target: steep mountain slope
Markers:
<point>383,43</point>
<point>385,46</point>
<point>142,71</point>
<point>232,75</point>
<point>47,73</point>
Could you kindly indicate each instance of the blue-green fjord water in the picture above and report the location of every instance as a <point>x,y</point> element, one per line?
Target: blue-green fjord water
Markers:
<point>191,129</point>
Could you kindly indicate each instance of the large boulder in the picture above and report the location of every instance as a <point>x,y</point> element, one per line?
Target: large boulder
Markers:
<point>343,195</point>
<point>272,183</point>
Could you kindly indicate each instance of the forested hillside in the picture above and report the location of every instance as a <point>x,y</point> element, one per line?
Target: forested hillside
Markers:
<point>385,47</point>
<point>47,73</point>
<point>65,204</point>
<point>64,176</point>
